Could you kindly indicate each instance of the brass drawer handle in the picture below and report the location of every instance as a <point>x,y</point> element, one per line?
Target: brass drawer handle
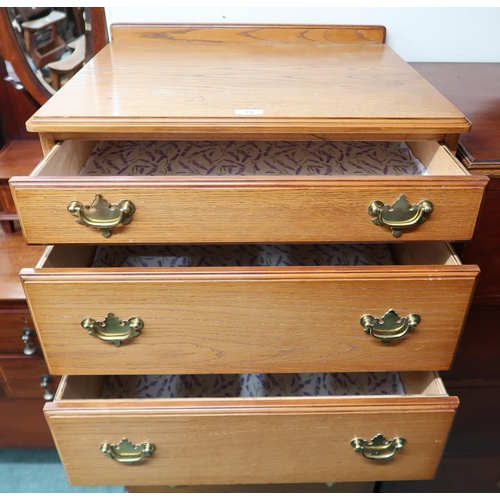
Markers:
<point>401,215</point>
<point>390,327</point>
<point>112,329</point>
<point>379,448</point>
<point>101,214</point>
<point>127,453</point>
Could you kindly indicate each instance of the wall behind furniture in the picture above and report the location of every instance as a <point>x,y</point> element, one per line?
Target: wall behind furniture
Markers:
<point>441,34</point>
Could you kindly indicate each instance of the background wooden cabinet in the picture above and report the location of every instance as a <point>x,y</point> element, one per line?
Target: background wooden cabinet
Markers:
<point>471,461</point>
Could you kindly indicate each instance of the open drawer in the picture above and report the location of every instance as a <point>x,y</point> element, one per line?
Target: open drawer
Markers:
<point>230,440</point>
<point>228,316</point>
<point>304,192</point>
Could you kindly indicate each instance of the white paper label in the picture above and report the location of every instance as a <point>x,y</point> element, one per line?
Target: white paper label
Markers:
<point>248,111</point>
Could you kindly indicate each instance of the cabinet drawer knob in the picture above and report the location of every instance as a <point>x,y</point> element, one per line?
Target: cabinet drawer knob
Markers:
<point>390,327</point>
<point>127,453</point>
<point>101,214</point>
<point>28,334</point>
<point>401,215</point>
<point>45,380</point>
<point>379,448</point>
<point>112,329</point>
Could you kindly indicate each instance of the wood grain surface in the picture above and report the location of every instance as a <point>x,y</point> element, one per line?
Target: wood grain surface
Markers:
<point>20,376</point>
<point>186,82</point>
<point>16,158</point>
<point>27,427</point>
<point>253,210</point>
<point>249,320</point>
<point>14,255</point>
<point>473,88</point>
<point>275,440</point>
<point>14,318</point>
<point>246,33</point>
<point>305,84</point>
<point>19,158</point>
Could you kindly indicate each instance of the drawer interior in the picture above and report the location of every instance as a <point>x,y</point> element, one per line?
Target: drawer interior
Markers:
<point>313,205</point>
<point>224,440</point>
<point>249,319</point>
<point>187,158</point>
<point>242,255</point>
<point>406,254</point>
<point>253,387</point>
<point>182,159</point>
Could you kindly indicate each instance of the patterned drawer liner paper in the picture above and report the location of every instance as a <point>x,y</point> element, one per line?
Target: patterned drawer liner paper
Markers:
<point>242,255</point>
<point>247,385</point>
<point>252,385</point>
<point>213,158</point>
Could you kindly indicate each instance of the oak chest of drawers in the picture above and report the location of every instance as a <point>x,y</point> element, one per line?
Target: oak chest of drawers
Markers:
<point>245,124</point>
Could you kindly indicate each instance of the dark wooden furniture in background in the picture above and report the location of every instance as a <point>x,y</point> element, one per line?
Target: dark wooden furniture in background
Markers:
<point>471,461</point>
<point>367,487</point>
<point>96,37</point>
<point>16,158</point>
<point>19,148</point>
<point>21,396</point>
<point>15,105</point>
<point>22,423</point>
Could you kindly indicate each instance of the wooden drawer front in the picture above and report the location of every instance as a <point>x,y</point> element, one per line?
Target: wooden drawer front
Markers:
<point>249,209</point>
<point>6,201</point>
<point>251,320</point>
<point>23,424</point>
<point>478,354</point>
<point>20,377</point>
<point>358,487</point>
<point>12,324</point>
<point>475,431</point>
<point>483,250</point>
<point>457,475</point>
<point>251,440</point>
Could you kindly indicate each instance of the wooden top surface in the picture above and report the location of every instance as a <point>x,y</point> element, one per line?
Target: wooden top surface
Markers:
<point>19,158</point>
<point>475,89</point>
<point>14,255</point>
<point>160,81</point>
